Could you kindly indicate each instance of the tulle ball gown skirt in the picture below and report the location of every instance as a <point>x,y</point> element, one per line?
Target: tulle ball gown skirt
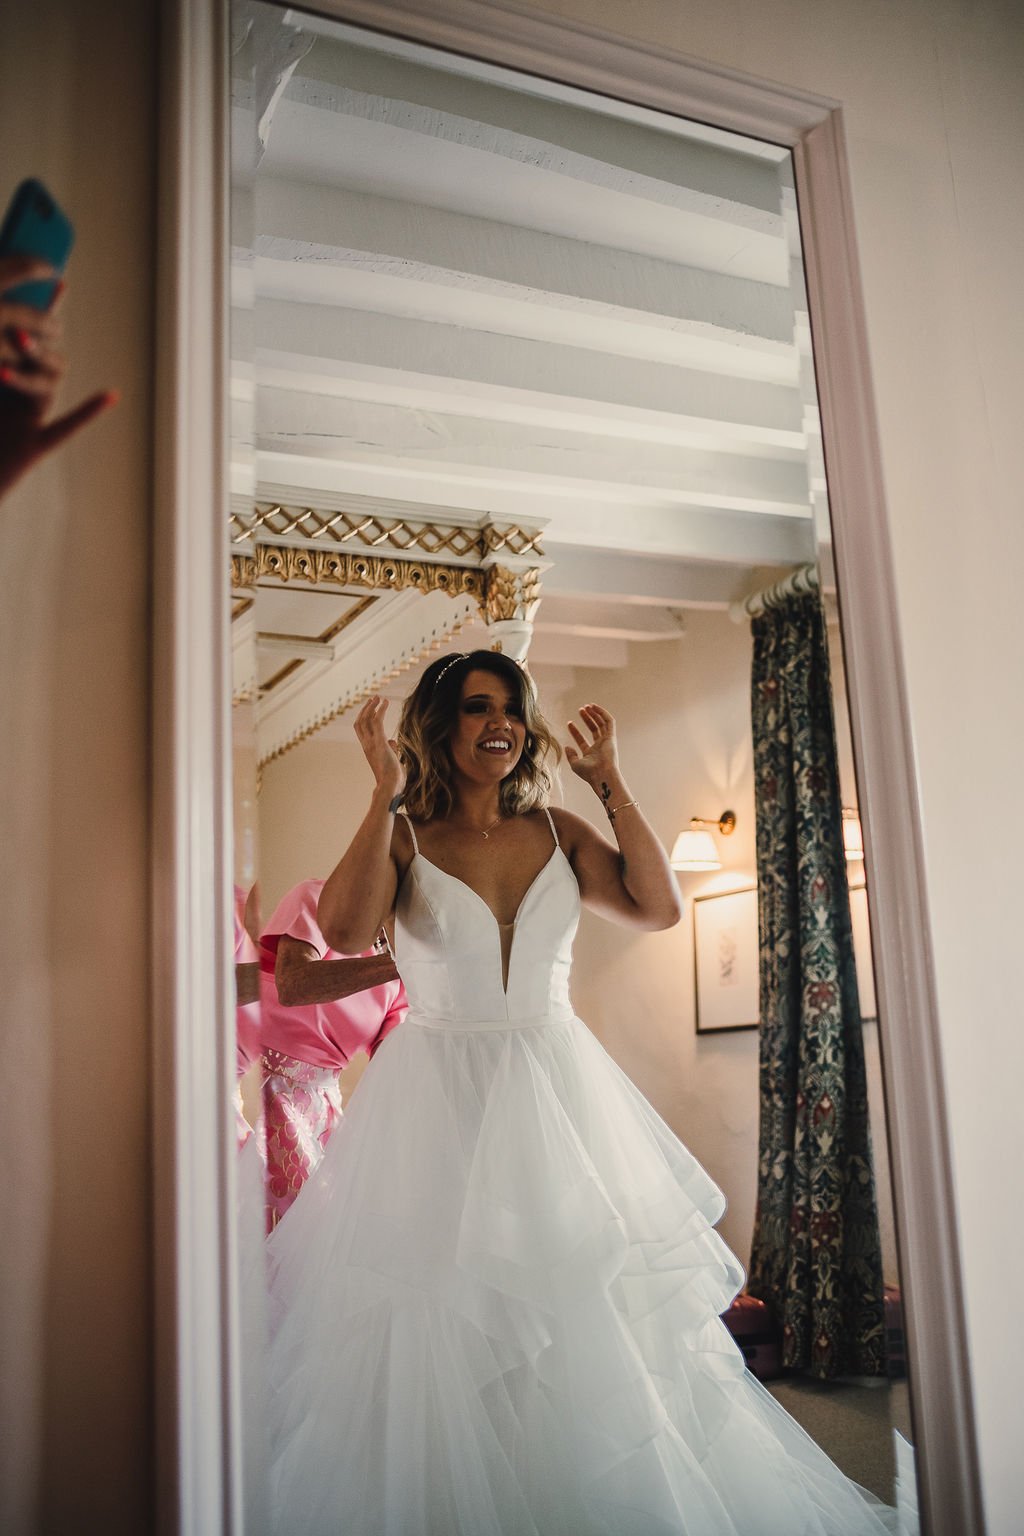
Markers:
<point>496,1313</point>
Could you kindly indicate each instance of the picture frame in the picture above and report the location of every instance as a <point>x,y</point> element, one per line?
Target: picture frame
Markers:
<point>725,949</point>
<point>726,959</point>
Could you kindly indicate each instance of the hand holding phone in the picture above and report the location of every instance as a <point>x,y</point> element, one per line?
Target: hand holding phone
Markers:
<point>35,241</point>
<point>29,360</point>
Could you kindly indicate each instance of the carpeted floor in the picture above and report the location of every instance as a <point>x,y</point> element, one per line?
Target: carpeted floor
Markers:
<point>853,1424</point>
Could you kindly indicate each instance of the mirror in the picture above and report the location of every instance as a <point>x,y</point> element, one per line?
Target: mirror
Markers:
<point>531,372</point>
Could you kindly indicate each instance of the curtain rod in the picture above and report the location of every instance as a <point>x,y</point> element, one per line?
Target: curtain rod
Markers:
<point>799,583</point>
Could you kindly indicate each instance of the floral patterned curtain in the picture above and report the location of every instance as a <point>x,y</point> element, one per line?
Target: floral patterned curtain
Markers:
<point>816,1255</point>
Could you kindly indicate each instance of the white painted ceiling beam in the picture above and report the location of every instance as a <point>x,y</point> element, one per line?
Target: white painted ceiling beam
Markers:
<point>536,409</point>
<point>492,175</point>
<point>689,533</point>
<point>665,153</point>
<point>631,521</point>
<point>377,356</point>
<point>311,275</point>
<point>386,442</point>
<point>626,581</point>
<point>630,581</point>
<point>603,620</point>
<point>504,490</point>
<point>420,243</point>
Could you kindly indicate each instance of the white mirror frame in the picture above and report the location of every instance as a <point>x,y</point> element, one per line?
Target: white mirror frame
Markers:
<point>199,1429</point>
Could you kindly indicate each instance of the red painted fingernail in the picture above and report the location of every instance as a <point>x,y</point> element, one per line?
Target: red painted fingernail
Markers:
<point>23,340</point>
<point>6,375</point>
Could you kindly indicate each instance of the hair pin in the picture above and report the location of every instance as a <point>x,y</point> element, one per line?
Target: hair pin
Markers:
<point>448,666</point>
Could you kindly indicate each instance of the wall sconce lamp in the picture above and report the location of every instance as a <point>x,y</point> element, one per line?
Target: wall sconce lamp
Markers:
<point>853,834</point>
<point>695,849</point>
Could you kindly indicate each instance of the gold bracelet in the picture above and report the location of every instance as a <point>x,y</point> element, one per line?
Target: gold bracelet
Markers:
<point>612,814</point>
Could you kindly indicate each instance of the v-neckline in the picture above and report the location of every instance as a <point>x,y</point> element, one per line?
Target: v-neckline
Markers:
<point>486,905</point>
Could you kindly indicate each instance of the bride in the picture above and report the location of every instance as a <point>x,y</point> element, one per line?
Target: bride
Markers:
<point>496,1305</point>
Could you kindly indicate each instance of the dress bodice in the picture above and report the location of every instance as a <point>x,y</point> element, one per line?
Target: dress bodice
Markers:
<point>448,948</point>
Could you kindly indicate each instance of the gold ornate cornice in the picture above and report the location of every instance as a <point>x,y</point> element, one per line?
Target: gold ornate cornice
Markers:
<point>370,528</point>
<point>378,572</point>
<point>244,573</point>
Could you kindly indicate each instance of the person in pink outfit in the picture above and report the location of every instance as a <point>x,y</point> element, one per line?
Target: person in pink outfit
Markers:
<point>247,1004</point>
<point>247,985</point>
<point>319,1009</point>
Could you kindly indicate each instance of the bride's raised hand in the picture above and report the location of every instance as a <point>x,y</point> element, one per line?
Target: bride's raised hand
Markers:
<point>597,759</point>
<point>380,751</point>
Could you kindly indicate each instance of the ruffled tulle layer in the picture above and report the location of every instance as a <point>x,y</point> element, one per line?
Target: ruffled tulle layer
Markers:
<point>496,1313</point>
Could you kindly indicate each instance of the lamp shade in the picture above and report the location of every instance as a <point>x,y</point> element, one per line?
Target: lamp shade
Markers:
<point>853,836</point>
<point>695,849</point>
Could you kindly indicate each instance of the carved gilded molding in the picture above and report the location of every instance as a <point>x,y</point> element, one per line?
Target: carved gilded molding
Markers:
<point>377,572</point>
<point>244,574</point>
<point>502,594</point>
<point>511,594</point>
<point>402,534</point>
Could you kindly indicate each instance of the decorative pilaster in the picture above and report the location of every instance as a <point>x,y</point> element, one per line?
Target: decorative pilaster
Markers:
<point>511,599</point>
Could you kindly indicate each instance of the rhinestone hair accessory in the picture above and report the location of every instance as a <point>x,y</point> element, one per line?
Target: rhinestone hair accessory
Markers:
<point>462,655</point>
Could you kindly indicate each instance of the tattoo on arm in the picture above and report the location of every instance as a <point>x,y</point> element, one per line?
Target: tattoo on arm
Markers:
<point>395,803</point>
<point>606,793</point>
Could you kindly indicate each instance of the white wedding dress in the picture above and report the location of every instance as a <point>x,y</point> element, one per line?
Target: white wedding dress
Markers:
<point>496,1303</point>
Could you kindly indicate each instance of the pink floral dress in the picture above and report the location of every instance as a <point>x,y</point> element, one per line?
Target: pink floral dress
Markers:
<point>304,1049</point>
<point>247,1017</point>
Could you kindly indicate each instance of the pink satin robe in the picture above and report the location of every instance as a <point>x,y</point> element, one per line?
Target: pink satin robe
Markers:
<point>304,1049</point>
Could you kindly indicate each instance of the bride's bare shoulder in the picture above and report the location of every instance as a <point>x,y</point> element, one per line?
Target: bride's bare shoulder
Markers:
<point>571,828</point>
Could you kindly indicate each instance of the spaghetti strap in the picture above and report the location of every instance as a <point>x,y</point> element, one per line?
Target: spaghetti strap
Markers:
<point>412,832</point>
<point>551,824</point>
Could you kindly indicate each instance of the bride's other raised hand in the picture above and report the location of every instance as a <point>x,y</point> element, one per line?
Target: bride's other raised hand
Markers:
<point>359,893</point>
<point>597,759</point>
<point>379,749</point>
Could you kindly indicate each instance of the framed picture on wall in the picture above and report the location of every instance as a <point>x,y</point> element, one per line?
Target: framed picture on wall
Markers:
<point>725,946</point>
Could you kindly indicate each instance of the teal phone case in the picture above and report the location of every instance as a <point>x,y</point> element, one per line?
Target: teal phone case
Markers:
<point>36,225</point>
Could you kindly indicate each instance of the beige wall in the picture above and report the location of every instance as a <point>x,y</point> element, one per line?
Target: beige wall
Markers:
<point>935,119</point>
<point>75,1377</point>
<point>311,801</point>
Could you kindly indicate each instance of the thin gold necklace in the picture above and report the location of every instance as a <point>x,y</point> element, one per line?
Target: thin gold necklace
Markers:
<point>486,831</point>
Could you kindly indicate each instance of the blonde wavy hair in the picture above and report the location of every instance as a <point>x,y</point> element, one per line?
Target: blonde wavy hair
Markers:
<point>425,728</point>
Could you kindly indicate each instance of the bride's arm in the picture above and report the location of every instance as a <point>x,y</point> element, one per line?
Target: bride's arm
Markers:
<point>630,882</point>
<point>360,892</point>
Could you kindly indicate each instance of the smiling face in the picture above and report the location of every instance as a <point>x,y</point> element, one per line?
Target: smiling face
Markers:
<point>488,734</point>
<point>473,723</point>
